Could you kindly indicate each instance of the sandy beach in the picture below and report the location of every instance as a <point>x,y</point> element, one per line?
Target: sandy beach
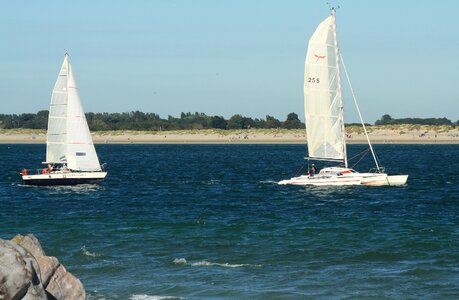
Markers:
<point>409,134</point>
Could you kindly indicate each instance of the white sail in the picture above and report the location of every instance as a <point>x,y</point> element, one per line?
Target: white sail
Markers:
<point>57,122</point>
<point>322,95</point>
<point>69,139</point>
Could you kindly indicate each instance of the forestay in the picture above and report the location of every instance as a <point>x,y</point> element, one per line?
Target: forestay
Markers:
<point>322,95</point>
<point>69,140</point>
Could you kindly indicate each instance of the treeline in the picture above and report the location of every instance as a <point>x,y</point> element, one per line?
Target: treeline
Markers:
<point>388,120</point>
<point>137,120</point>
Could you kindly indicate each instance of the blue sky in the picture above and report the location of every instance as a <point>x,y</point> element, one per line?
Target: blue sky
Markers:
<point>228,57</point>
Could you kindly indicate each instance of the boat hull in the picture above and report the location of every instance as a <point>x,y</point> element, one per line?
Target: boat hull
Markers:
<point>69,178</point>
<point>387,180</point>
<point>322,180</point>
<point>344,176</point>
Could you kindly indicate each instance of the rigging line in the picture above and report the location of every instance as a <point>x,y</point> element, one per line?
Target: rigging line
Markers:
<point>299,171</point>
<point>366,152</point>
<point>379,162</point>
<point>362,155</point>
<point>360,115</point>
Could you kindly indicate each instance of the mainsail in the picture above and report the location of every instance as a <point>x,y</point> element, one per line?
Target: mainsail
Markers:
<point>69,140</point>
<point>322,95</point>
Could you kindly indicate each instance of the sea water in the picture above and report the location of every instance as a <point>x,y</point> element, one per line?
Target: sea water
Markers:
<point>210,222</point>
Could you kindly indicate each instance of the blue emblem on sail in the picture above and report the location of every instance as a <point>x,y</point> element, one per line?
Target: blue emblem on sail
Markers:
<point>80,153</point>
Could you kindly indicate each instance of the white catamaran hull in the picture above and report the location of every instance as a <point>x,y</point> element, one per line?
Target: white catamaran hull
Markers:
<point>344,176</point>
<point>386,180</point>
<point>64,178</point>
<point>322,180</point>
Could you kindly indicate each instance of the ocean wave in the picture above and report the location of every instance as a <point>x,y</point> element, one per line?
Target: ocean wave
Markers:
<point>87,253</point>
<point>212,182</point>
<point>148,297</point>
<point>204,263</point>
<point>268,181</point>
<point>66,189</point>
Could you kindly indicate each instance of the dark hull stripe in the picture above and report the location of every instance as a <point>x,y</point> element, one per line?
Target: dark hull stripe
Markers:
<point>62,181</point>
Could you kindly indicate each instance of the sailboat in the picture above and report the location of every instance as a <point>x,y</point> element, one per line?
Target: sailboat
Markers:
<point>71,158</point>
<point>324,114</point>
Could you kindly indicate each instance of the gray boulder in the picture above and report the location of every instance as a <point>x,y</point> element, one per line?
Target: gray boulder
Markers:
<point>19,273</point>
<point>64,285</point>
<point>27,273</point>
<point>48,264</point>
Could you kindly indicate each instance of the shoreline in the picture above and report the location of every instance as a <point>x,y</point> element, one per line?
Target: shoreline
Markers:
<point>420,135</point>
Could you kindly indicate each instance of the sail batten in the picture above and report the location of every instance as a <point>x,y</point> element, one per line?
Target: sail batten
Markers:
<point>68,135</point>
<point>322,95</point>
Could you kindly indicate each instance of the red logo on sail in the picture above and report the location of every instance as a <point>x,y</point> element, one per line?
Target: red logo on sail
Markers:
<point>319,57</point>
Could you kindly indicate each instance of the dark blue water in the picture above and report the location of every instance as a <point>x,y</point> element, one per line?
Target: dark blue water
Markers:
<point>210,222</point>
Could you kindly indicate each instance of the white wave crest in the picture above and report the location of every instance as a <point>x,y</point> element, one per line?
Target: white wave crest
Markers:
<point>87,253</point>
<point>212,182</point>
<point>204,263</point>
<point>180,261</point>
<point>148,297</point>
<point>268,181</point>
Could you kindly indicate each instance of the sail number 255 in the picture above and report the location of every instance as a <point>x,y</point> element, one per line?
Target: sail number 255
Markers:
<point>313,79</point>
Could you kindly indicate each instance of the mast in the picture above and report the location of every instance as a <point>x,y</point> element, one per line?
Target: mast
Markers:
<point>339,90</point>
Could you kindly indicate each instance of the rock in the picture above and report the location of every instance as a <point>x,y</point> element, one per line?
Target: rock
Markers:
<point>29,242</point>
<point>48,265</point>
<point>19,273</point>
<point>64,285</point>
<point>13,272</point>
<point>27,273</point>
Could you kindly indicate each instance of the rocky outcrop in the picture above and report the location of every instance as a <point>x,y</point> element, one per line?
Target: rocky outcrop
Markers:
<point>27,273</point>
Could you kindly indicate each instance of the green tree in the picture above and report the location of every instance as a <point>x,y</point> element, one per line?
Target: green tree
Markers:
<point>247,123</point>
<point>236,122</point>
<point>218,122</point>
<point>259,123</point>
<point>98,124</point>
<point>292,122</point>
<point>385,119</point>
<point>272,122</point>
<point>41,120</point>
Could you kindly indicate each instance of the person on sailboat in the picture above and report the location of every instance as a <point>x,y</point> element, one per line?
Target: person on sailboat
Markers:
<point>313,170</point>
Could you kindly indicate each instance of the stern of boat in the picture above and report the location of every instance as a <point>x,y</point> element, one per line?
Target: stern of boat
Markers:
<point>385,180</point>
<point>395,180</point>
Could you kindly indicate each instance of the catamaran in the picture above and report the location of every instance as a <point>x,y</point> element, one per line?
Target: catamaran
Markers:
<point>71,158</point>
<point>324,114</point>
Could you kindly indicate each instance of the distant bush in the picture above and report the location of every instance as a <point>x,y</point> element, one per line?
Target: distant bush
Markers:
<point>387,120</point>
